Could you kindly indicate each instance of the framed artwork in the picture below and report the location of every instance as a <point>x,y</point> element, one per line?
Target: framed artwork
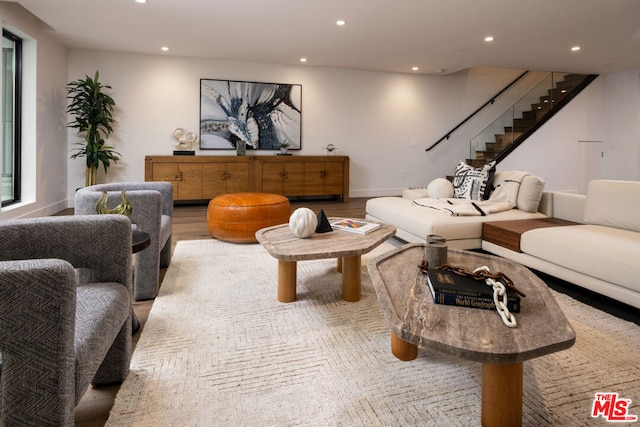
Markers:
<point>260,116</point>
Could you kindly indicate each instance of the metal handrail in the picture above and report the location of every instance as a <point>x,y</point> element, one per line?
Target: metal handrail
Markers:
<point>490,101</point>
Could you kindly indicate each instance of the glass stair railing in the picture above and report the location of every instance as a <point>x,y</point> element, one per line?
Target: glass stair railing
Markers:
<point>509,130</point>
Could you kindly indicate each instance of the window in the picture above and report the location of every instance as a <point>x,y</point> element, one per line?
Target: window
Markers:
<point>11,121</point>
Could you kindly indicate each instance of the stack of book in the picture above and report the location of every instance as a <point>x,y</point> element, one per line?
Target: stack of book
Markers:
<point>453,289</point>
<point>355,226</point>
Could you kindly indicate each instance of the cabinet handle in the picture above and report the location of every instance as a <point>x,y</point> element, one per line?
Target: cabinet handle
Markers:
<point>226,176</point>
<point>323,173</point>
<point>178,176</point>
<point>284,174</point>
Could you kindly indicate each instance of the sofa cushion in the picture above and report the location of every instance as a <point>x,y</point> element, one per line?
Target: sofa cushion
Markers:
<point>420,221</point>
<point>530,193</point>
<point>472,183</point>
<point>606,253</point>
<point>613,203</point>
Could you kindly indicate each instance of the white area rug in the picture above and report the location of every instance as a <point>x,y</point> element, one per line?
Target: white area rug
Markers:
<point>219,349</point>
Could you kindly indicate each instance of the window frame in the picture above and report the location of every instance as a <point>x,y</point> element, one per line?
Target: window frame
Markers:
<point>17,118</point>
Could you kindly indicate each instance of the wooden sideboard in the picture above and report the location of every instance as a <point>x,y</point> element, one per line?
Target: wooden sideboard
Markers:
<point>201,178</point>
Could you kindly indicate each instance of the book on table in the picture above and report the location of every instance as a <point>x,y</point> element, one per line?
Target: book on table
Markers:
<point>449,288</point>
<point>355,225</point>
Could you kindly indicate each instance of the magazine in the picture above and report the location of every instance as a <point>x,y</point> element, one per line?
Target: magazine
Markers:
<point>355,225</point>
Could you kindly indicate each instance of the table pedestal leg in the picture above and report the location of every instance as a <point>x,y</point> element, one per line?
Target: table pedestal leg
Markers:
<point>351,278</point>
<point>403,350</point>
<point>502,394</point>
<point>339,265</point>
<point>287,276</point>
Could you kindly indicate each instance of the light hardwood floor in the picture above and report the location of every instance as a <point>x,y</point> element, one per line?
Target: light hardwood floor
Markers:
<point>189,223</point>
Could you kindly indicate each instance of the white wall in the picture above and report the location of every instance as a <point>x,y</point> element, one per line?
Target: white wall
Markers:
<point>383,122</point>
<point>608,110</point>
<point>44,135</point>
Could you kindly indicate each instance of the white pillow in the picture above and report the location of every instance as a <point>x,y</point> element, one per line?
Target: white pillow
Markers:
<point>471,183</point>
<point>440,188</point>
<point>530,193</point>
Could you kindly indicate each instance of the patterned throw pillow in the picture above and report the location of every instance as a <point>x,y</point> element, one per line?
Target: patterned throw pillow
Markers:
<point>471,183</point>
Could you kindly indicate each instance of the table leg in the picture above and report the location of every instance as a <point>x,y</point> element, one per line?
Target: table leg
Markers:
<point>403,350</point>
<point>351,278</point>
<point>339,265</point>
<point>502,394</point>
<point>287,276</point>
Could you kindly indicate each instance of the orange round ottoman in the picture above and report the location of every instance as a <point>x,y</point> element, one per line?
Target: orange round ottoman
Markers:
<point>235,217</point>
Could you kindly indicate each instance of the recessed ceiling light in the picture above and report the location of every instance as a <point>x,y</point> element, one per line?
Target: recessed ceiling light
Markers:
<point>415,68</point>
<point>303,59</point>
<point>341,22</point>
<point>488,39</point>
<point>575,48</point>
<point>164,48</point>
<point>141,1</point>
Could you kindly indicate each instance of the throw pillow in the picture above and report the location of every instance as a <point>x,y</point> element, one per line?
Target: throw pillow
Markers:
<point>471,183</point>
<point>440,188</point>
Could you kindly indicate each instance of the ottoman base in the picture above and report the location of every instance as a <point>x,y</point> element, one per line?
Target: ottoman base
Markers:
<point>235,217</point>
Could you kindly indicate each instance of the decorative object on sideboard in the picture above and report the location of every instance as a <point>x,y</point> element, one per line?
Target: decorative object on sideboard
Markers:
<point>331,149</point>
<point>284,148</point>
<point>184,142</point>
<point>92,110</point>
<point>124,208</point>
<point>249,115</point>
<point>303,223</point>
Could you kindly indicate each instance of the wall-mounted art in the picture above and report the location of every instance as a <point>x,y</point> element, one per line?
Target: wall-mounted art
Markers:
<point>236,115</point>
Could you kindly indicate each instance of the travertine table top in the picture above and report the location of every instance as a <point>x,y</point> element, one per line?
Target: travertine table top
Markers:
<point>283,245</point>
<point>470,333</point>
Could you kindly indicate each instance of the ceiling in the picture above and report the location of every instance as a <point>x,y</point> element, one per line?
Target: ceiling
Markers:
<point>438,36</point>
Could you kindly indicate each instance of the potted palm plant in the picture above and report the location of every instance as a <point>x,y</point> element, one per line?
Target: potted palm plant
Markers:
<point>93,117</point>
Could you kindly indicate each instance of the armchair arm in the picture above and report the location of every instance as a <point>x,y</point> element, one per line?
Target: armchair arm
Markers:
<point>100,243</point>
<point>37,320</point>
<point>86,207</point>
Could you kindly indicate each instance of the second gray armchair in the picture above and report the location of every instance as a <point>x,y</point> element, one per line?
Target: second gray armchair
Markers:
<point>152,212</point>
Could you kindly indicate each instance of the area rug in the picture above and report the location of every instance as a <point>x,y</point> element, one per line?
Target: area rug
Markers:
<point>219,349</point>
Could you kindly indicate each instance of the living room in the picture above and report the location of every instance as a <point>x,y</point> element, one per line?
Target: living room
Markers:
<point>382,120</point>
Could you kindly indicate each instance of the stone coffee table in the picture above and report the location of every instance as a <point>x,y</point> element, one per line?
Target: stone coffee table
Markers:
<point>471,333</point>
<point>345,246</point>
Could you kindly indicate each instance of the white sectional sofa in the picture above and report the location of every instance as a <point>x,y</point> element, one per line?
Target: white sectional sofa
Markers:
<point>602,253</point>
<point>414,222</point>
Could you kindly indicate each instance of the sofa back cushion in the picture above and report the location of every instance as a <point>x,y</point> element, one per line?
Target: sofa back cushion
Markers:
<point>613,204</point>
<point>522,189</point>
<point>530,193</point>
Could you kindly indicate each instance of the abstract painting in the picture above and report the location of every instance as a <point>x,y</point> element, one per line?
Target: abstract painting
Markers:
<point>260,116</point>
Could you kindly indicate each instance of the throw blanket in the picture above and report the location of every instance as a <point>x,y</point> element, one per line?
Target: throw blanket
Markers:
<point>463,207</point>
<point>503,198</point>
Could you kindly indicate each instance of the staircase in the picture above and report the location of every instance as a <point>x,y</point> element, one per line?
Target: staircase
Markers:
<point>523,120</point>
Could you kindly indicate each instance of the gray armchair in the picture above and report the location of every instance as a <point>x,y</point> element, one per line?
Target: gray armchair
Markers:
<point>152,204</point>
<point>59,334</point>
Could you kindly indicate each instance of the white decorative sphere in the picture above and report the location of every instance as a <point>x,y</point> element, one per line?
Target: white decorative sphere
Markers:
<point>303,223</point>
<point>440,188</point>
